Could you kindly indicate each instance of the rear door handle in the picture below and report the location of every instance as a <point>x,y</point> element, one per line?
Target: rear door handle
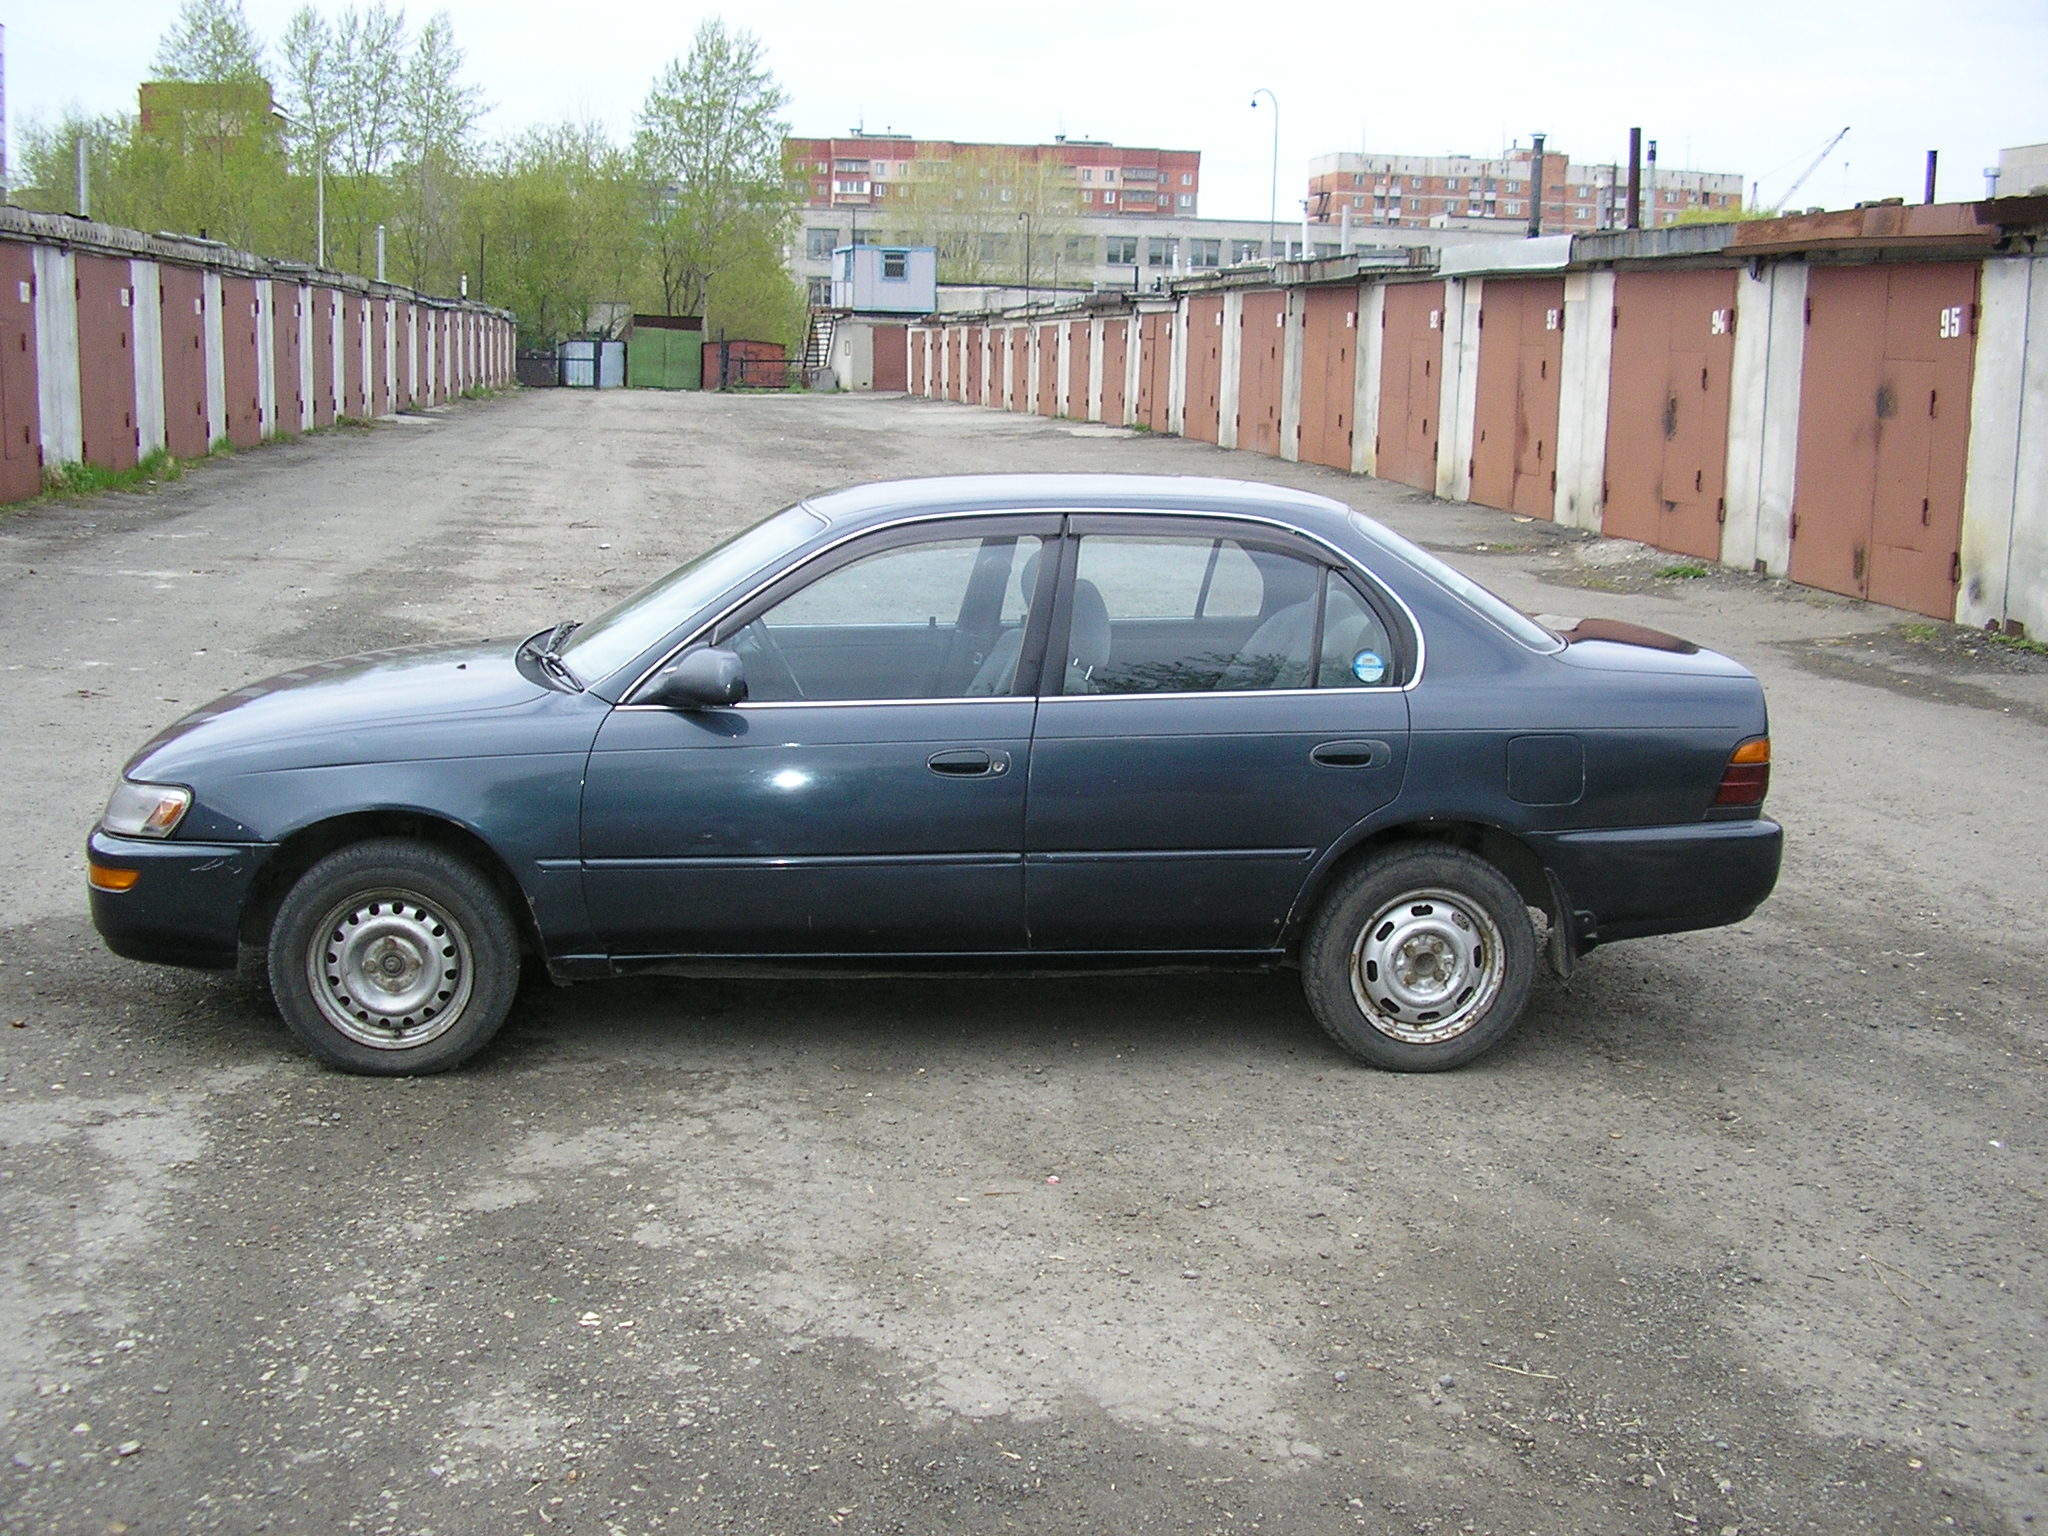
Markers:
<point>1352,754</point>
<point>969,763</point>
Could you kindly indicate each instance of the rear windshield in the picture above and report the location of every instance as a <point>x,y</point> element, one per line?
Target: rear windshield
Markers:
<point>1502,614</point>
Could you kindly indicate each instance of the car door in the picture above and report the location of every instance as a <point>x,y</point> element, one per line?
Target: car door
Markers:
<point>1221,705</point>
<point>867,796</point>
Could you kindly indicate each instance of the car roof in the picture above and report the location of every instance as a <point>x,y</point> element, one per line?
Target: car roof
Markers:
<point>888,499</point>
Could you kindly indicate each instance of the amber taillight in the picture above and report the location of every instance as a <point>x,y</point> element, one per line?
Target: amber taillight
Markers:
<point>1747,778</point>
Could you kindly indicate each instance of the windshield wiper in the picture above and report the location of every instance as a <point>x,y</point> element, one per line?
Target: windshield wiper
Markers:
<point>549,654</point>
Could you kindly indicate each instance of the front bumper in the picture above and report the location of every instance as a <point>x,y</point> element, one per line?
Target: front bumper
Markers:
<point>185,907</point>
<point>1629,882</point>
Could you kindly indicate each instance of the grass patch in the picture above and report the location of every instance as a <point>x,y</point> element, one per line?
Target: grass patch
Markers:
<point>1685,570</point>
<point>2022,643</point>
<point>79,479</point>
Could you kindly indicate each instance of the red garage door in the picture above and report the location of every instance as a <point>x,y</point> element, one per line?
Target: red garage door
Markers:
<point>1514,432</point>
<point>1411,384</point>
<point>1667,409</point>
<point>1884,432</point>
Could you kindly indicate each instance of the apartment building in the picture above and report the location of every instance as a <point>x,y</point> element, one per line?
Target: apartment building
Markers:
<point>1447,191</point>
<point>868,170</point>
<point>1104,251</point>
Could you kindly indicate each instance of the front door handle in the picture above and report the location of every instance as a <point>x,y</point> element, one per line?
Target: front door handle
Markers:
<point>968,763</point>
<point>1352,754</point>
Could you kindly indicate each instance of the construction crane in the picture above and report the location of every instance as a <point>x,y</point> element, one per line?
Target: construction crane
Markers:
<point>1800,180</point>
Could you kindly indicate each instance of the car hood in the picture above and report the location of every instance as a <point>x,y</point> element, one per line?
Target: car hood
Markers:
<point>345,710</point>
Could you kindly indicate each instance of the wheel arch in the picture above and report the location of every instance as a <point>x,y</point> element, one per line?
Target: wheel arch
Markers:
<point>306,847</point>
<point>1499,847</point>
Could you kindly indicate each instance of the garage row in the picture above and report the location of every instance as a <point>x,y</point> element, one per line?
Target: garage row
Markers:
<point>1856,401</point>
<point>115,344</point>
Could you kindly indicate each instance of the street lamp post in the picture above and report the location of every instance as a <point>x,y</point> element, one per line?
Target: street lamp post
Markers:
<point>1273,202</point>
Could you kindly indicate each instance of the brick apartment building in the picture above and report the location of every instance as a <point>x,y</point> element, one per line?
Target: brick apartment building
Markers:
<point>866,170</point>
<point>1453,191</point>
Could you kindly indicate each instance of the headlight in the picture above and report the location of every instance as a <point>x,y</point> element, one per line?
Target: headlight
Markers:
<point>145,810</point>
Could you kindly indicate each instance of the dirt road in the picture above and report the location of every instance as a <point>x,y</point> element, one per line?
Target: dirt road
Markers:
<point>1742,1233</point>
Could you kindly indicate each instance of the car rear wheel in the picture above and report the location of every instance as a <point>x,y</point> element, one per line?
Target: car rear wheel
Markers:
<point>393,958</point>
<point>1420,960</point>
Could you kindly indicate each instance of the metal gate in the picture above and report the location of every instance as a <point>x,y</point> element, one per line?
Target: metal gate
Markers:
<point>1047,337</point>
<point>1667,409</point>
<point>1514,432</point>
<point>1884,432</point>
<point>1411,383</point>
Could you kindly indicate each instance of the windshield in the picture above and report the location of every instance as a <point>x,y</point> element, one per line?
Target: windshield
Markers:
<point>616,636</point>
<point>1473,595</point>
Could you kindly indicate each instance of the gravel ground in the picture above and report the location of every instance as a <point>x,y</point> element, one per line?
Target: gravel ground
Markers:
<point>1741,1233</point>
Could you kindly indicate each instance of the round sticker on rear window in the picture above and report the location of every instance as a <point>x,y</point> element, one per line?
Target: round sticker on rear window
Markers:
<point>1369,667</point>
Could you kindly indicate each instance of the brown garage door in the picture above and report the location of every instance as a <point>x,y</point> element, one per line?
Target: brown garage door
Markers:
<point>1116,340</point>
<point>1205,369</point>
<point>1514,431</point>
<point>1411,384</point>
<point>181,292</point>
<point>1884,432</point>
<point>1261,338</point>
<point>285,338</point>
<point>892,357</point>
<point>21,420</point>
<point>238,323</point>
<point>1077,369</point>
<point>1155,369</point>
<point>1667,409</point>
<point>106,361</point>
<point>1329,376</point>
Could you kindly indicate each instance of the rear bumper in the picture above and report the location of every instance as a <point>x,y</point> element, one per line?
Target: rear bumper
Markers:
<point>1629,882</point>
<point>185,907</point>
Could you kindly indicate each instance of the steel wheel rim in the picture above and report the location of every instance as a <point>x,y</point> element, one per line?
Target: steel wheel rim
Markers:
<point>1427,967</point>
<point>390,970</point>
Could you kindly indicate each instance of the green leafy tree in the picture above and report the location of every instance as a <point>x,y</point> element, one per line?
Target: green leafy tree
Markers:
<point>558,215</point>
<point>436,146</point>
<point>709,151</point>
<point>211,43</point>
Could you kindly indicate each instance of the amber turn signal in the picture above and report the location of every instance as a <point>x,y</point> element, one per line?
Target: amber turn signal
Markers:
<point>1747,778</point>
<point>103,878</point>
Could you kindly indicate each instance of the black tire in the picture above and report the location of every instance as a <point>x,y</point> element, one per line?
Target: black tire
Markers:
<point>393,958</point>
<point>1420,959</point>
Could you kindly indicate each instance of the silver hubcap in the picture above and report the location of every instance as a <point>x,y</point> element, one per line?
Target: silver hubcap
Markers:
<point>1427,967</point>
<point>389,970</point>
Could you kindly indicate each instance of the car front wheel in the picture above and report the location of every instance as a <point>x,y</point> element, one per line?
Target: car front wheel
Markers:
<point>1420,959</point>
<point>393,958</point>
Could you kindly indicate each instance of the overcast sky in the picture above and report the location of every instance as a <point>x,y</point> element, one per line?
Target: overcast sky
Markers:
<point>1753,88</point>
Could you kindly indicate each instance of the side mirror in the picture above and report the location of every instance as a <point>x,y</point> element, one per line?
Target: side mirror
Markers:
<point>709,677</point>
